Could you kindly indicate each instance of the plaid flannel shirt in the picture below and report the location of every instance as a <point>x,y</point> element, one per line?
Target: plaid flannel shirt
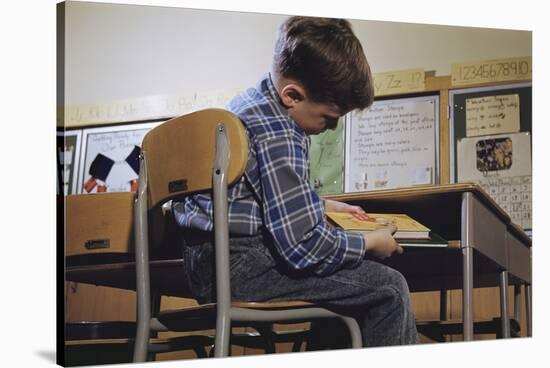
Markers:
<point>274,194</point>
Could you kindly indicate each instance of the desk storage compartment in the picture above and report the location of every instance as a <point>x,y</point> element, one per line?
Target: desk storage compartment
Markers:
<point>519,258</point>
<point>99,223</point>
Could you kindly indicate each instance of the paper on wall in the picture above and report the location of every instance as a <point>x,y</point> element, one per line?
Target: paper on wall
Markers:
<point>501,165</point>
<point>492,115</point>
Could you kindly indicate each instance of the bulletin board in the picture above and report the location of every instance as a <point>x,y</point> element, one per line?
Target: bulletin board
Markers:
<point>68,158</point>
<point>393,144</point>
<point>491,139</point>
<point>109,160</point>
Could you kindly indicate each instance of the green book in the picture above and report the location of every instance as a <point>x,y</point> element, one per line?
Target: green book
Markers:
<point>434,241</point>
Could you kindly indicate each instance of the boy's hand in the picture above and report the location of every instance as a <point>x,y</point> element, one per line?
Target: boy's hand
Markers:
<point>381,243</point>
<point>335,206</point>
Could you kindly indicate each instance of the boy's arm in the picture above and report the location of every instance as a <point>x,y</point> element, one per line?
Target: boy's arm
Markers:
<point>293,212</point>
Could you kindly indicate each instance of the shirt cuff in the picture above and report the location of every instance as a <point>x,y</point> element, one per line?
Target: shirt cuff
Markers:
<point>355,252</point>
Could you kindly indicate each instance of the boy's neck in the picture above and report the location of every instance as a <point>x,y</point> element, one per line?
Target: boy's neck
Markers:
<point>278,84</point>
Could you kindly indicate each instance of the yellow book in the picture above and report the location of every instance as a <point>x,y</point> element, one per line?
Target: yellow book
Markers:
<point>407,227</point>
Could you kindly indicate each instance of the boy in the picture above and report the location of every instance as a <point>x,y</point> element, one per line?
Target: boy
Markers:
<point>280,246</point>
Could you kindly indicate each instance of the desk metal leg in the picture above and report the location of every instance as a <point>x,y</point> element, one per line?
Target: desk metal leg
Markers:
<point>517,302</point>
<point>529,309</point>
<point>467,293</point>
<point>504,315</point>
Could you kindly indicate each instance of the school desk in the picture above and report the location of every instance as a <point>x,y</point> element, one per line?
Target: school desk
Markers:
<point>485,249</point>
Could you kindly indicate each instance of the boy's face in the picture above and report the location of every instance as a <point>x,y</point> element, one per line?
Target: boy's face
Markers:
<point>314,117</point>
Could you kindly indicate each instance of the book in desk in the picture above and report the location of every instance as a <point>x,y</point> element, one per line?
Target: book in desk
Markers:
<point>409,232</point>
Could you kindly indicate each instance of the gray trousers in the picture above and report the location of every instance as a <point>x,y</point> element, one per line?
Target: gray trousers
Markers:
<point>376,295</point>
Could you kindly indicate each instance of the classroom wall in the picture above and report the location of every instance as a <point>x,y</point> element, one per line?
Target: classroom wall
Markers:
<point>117,52</point>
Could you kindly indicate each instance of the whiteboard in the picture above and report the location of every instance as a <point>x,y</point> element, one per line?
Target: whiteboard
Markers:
<point>111,149</point>
<point>393,144</point>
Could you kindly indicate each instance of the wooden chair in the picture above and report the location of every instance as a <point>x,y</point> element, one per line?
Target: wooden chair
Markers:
<point>204,151</point>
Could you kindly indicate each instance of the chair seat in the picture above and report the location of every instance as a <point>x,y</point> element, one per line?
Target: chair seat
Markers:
<point>203,317</point>
<point>273,305</point>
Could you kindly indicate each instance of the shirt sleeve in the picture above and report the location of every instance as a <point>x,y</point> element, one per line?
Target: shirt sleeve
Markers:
<point>293,212</point>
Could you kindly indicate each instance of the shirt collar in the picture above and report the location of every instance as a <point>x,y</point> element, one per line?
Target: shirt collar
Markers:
<point>267,88</point>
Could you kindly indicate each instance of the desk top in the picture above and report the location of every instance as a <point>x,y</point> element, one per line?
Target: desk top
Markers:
<point>425,192</point>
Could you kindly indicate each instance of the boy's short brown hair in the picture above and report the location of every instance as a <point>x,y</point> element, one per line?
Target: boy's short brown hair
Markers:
<point>327,58</point>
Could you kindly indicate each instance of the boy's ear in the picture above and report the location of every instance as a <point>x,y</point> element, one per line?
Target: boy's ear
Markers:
<point>291,94</point>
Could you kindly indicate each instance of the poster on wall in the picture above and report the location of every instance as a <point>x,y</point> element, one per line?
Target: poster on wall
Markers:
<point>492,115</point>
<point>110,158</point>
<point>393,144</point>
<point>501,165</point>
<point>68,156</point>
<point>326,160</point>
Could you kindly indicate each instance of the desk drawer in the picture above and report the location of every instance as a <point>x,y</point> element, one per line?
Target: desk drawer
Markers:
<point>99,223</point>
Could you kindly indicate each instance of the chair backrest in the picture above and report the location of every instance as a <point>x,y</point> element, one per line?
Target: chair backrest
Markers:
<point>179,154</point>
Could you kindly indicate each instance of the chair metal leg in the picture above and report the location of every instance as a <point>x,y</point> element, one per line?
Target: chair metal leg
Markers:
<point>517,302</point>
<point>143,286</point>
<point>504,315</point>
<point>467,293</point>
<point>223,331</point>
<point>200,351</point>
<point>266,331</point>
<point>355,332</point>
<point>221,233</point>
<point>153,333</point>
